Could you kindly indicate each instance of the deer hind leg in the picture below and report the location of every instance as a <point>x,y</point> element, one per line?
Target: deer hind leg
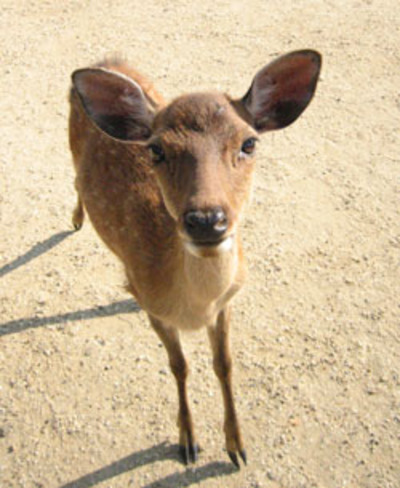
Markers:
<point>188,446</point>
<point>219,339</point>
<point>78,213</point>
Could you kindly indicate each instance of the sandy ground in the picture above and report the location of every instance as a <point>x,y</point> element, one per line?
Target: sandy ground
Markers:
<point>86,396</point>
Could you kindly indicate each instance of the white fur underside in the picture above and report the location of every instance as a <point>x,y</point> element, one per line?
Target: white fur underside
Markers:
<point>199,251</point>
<point>203,288</point>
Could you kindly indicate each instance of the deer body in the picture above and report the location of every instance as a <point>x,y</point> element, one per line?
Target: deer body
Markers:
<point>134,223</point>
<point>165,186</point>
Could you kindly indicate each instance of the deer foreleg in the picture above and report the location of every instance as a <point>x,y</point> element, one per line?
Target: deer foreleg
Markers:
<point>170,337</point>
<point>219,338</point>
<point>78,214</point>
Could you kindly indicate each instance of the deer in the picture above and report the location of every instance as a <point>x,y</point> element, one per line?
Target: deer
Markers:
<point>166,185</point>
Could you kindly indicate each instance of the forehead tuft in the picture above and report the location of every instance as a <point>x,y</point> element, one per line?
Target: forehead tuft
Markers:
<point>199,112</point>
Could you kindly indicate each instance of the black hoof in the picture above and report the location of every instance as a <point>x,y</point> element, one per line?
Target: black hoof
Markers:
<point>234,458</point>
<point>189,453</point>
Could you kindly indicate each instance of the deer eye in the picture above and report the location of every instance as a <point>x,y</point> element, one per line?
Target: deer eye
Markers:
<point>249,146</point>
<point>157,153</point>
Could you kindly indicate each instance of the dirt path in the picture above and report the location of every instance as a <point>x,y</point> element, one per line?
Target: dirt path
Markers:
<point>86,398</point>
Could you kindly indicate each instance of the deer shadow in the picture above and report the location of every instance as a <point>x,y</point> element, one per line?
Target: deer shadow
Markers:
<point>36,251</point>
<point>160,452</point>
<point>19,325</point>
<point>116,308</point>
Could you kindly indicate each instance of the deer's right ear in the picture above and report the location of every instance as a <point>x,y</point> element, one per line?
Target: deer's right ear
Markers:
<point>114,102</point>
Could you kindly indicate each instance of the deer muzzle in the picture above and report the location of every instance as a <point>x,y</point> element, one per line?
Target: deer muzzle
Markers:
<point>207,230</point>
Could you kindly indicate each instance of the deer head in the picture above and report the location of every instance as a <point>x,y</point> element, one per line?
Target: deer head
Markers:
<point>202,146</point>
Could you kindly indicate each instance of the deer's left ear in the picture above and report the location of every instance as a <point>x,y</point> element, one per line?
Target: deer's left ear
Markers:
<point>281,91</point>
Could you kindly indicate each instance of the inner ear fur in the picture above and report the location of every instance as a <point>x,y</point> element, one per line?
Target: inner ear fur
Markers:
<point>115,103</point>
<point>281,91</point>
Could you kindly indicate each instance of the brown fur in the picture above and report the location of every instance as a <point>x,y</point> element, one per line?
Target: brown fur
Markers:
<point>138,208</point>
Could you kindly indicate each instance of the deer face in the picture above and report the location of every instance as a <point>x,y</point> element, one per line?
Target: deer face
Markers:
<point>203,154</point>
<point>202,145</point>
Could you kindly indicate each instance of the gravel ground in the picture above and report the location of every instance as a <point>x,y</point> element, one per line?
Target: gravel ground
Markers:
<point>86,396</point>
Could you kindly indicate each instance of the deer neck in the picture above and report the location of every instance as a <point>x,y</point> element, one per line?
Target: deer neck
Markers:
<point>207,279</point>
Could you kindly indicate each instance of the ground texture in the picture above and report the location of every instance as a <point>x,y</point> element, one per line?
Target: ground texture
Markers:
<point>86,396</point>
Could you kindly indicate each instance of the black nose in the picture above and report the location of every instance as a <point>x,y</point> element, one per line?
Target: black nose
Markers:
<point>206,226</point>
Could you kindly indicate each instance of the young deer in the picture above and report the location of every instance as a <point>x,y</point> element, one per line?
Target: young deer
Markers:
<point>165,186</point>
